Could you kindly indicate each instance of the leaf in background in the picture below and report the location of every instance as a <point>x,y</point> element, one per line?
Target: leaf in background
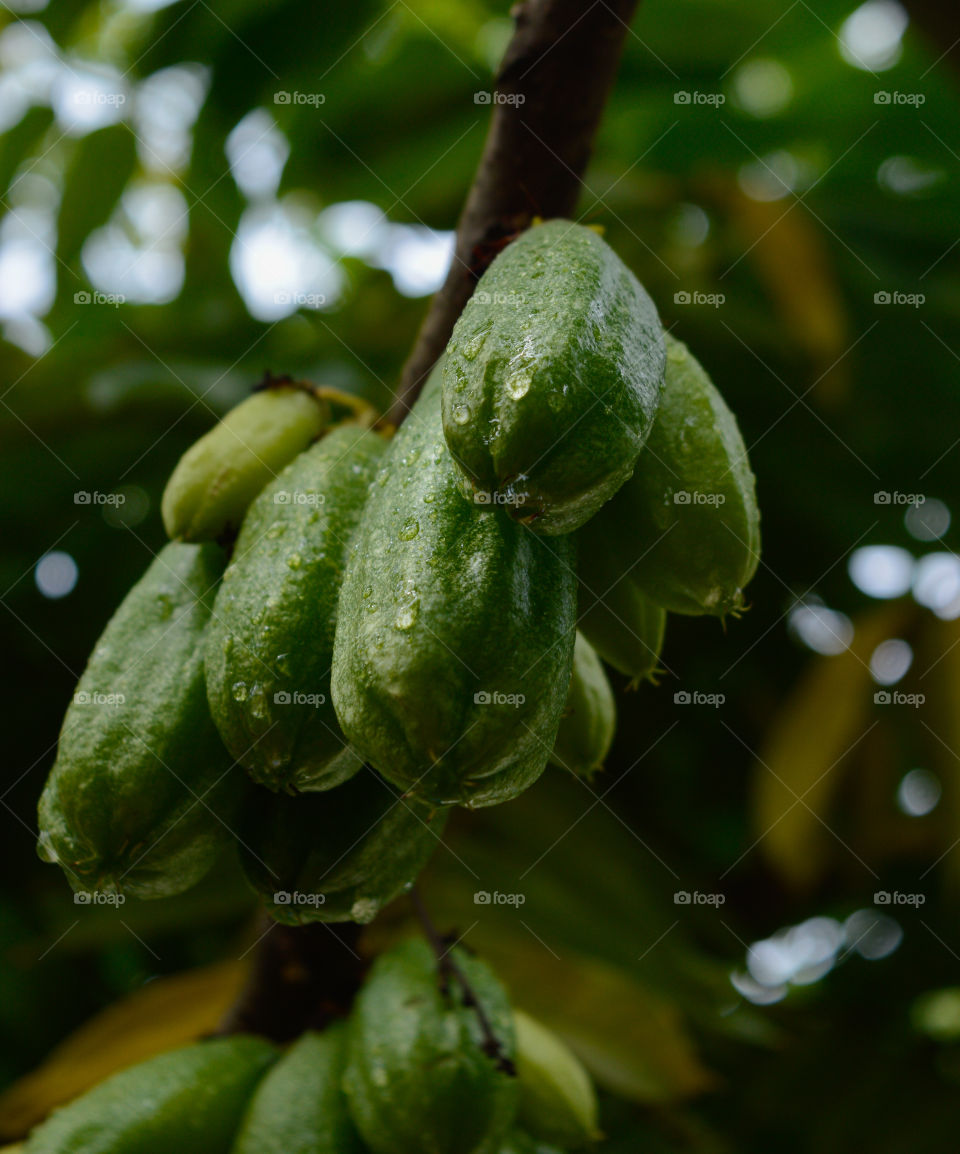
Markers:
<point>166,1013</point>
<point>17,142</point>
<point>803,755</point>
<point>96,176</point>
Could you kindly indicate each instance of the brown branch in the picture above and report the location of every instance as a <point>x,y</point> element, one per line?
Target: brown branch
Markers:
<point>302,978</point>
<point>449,968</point>
<point>553,84</point>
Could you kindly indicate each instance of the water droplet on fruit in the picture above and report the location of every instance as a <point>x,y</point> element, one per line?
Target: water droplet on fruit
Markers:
<point>239,691</point>
<point>409,529</point>
<point>294,561</point>
<point>277,529</point>
<point>408,613</point>
<point>473,346</point>
<point>461,414</point>
<point>518,385</point>
<point>282,662</point>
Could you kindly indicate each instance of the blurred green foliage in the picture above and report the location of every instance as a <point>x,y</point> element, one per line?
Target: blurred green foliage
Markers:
<point>798,199</point>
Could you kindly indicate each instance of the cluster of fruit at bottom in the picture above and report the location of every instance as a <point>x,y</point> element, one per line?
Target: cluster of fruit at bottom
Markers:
<point>414,1069</point>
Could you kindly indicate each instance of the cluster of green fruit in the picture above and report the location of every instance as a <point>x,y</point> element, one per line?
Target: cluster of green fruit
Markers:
<point>405,623</point>
<point>415,1069</point>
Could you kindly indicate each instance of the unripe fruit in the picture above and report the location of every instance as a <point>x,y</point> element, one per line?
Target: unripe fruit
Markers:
<point>189,1101</point>
<point>418,1080</point>
<point>557,1100</point>
<point>552,377</point>
<point>299,1107</point>
<point>217,477</point>
<point>686,525</point>
<point>589,717</point>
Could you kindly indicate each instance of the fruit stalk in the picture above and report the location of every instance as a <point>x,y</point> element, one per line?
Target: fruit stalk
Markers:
<point>536,152</point>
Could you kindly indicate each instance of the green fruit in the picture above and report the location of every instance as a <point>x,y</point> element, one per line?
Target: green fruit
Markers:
<point>590,715</point>
<point>418,1080</point>
<point>621,623</point>
<point>552,377</point>
<point>336,856</point>
<point>270,644</point>
<point>557,1100</point>
<point>455,633</point>
<point>687,525</point>
<point>142,791</point>
<point>299,1107</point>
<point>217,478</point>
<point>189,1101</point>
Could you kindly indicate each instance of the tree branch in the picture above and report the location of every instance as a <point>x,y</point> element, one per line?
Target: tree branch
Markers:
<point>552,86</point>
<point>302,978</point>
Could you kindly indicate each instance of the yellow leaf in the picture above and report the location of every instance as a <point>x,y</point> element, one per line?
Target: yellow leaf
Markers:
<point>166,1013</point>
<point>802,760</point>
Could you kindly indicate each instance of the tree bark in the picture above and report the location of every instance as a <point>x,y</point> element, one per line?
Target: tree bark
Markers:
<point>550,94</point>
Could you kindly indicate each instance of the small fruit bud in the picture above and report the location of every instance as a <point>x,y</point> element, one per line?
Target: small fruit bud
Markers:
<point>557,1099</point>
<point>217,478</point>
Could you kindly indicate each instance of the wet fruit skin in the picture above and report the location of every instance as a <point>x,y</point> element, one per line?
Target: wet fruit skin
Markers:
<point>417,1078</point>
<point>619,620</point>
<point>218,476</point>
<point>270,644</point>
<point>142,793</point>
<point>686,525</point>
<point>188,1101</point>
<point>552,377</point>
<point>338,856</point>
<point>589,716</point>
<point>299,1106</point>
<point>454,642</point>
